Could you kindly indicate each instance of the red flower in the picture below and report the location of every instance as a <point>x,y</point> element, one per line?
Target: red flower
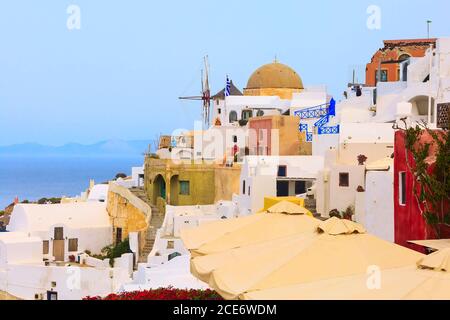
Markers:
<point>162,294</point>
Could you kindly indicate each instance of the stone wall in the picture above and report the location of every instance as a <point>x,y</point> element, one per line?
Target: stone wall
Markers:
<point>128,212</point>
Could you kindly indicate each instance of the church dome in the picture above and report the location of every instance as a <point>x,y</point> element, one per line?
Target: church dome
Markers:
<point>275,75</point>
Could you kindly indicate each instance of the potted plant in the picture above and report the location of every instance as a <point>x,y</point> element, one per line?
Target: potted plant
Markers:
<point>362,159</point>
<point>348,213</point>
<point>72,258</point>
<point>335,213</point>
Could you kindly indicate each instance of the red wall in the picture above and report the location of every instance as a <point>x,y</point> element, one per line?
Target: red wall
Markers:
<point>408,221</point>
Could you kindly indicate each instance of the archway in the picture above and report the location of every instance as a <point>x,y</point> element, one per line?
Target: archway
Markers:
<point>174,190</point>
<point>159,188</point>
<point>420,105</point>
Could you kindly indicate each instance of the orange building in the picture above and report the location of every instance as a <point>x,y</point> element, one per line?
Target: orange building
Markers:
<point>385,63</point>
<point>277,135</point>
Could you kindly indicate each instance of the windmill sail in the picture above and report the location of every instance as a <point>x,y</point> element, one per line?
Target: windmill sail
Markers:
<point>206,94</point>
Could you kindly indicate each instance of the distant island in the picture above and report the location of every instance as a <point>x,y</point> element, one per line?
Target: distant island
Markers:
<point>108,148</point>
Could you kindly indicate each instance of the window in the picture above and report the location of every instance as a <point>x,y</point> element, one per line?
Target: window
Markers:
<point>59,233</point>
<point>261,134</point>
<point>233,116</point>
<point>45,246</point>
<point>73,245</point>
<point>219,111</point>
<point>248,190</point>
<point>404,57</point>
<point>300,187</point>
<point>282,171</point>
<point>260,113</point>
<point>173,255</point>
<point>185,188</point>
<point>247,114</point>
<point>381,75</point>
<point>235,140</point>
<point>243,187</point>
<point>51,295</point>
<point>282,188</point>
<point>118,235</point>
<point>344,179</point>
<point>402,188</point>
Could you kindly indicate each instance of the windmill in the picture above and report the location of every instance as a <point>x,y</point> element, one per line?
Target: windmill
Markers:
<point>206,94</point>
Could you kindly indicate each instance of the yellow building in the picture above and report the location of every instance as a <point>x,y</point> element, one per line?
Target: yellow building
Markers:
<point>274,79</point>
<point>185,183</point>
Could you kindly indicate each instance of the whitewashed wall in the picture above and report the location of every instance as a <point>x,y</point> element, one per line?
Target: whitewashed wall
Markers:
<point>379,204</point>
<point>71,283</point>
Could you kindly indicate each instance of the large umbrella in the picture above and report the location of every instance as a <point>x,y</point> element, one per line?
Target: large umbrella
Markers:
<point>283,219</point>
<point>341,249</point>
<point>430,279</point>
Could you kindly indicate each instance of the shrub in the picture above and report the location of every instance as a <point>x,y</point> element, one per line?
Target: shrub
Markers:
<point>335,213</point>
<point>121,175</point>
<point>116,251</point>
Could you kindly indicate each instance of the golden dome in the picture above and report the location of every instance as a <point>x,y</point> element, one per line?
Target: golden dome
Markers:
<point>275,75</point>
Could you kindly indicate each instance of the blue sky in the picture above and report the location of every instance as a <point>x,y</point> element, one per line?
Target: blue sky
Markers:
<point>119,76</point>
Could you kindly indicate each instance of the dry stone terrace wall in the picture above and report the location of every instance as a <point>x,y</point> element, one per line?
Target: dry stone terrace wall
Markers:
<point>128,212</point>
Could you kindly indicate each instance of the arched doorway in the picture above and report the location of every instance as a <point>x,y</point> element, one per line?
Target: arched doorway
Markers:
<point>159,188</point>
<point>174,190</point>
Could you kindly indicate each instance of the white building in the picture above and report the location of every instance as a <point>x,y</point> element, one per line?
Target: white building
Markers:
<point>169,261</point>
<point>272,176</point>
<point>366,129</point>
<point>98,193</point>
<point>374,206</point>
<point>35,260</point>
<point>18,247</point>
<point>65,229</point>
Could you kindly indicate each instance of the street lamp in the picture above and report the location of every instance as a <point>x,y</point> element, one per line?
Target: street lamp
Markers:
<point>428,27</point>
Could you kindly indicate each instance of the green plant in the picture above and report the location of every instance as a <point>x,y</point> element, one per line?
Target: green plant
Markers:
<point>88,252</point>
<point>335,213</point>
<point>49,200</point>
<point>2,213</point>
<point>431,179</point>
<point>116,251</point>
<point>121,175</point>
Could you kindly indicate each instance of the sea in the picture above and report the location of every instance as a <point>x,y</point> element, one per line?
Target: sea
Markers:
<point>35,177</point>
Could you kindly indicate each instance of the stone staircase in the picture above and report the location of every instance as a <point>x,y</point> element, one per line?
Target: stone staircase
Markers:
<point>156,222</point>
<point>140,193</point>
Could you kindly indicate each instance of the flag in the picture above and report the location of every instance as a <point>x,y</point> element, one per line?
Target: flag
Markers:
<point>228,87</point>
<point>332,107</point>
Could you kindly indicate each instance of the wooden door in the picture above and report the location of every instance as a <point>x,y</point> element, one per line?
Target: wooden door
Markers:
<point>58,244</point>
<point>58,250</point>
